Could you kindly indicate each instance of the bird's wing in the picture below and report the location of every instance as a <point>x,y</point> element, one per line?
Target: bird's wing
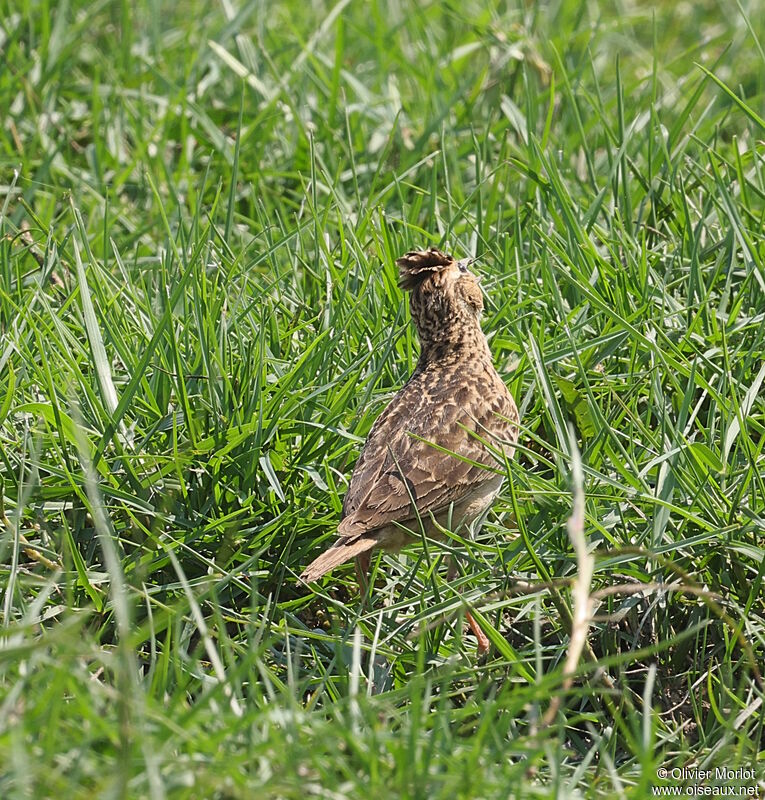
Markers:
<point>424,449</point>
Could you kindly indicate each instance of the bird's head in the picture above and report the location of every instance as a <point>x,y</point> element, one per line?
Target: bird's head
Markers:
<point>444,292</point>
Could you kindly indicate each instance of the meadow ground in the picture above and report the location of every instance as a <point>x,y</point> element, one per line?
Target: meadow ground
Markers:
<point>200,206</point>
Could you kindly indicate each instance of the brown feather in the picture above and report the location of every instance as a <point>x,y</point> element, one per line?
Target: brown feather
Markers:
<point>340,552</point>
<point>426,455</point>
<point>417,265</point>
<point>412,444</point>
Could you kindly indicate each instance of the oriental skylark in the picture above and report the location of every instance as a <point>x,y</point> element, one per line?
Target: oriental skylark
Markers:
<point>433,457</point>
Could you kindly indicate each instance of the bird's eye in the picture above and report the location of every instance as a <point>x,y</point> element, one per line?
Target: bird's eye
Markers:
<point>463,267</point>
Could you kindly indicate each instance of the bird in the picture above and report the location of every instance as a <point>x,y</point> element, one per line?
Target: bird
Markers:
<point>434,458</point>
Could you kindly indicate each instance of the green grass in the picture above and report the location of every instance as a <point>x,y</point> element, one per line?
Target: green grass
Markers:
<point>200,206</point>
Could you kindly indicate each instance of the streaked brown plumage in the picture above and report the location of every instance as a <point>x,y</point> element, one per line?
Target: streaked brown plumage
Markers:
<point>429,445</point>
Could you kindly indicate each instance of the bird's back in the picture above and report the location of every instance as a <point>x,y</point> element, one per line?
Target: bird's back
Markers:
<point>431,445</point>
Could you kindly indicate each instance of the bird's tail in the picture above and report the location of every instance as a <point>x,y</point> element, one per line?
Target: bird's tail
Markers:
<point>339,553</point>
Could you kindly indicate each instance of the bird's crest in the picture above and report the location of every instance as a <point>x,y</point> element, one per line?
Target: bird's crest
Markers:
<point>417,265</point>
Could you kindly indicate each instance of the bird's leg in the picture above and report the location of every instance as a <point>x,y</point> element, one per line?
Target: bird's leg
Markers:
<point>483,641</point>
<point>362,572</point>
